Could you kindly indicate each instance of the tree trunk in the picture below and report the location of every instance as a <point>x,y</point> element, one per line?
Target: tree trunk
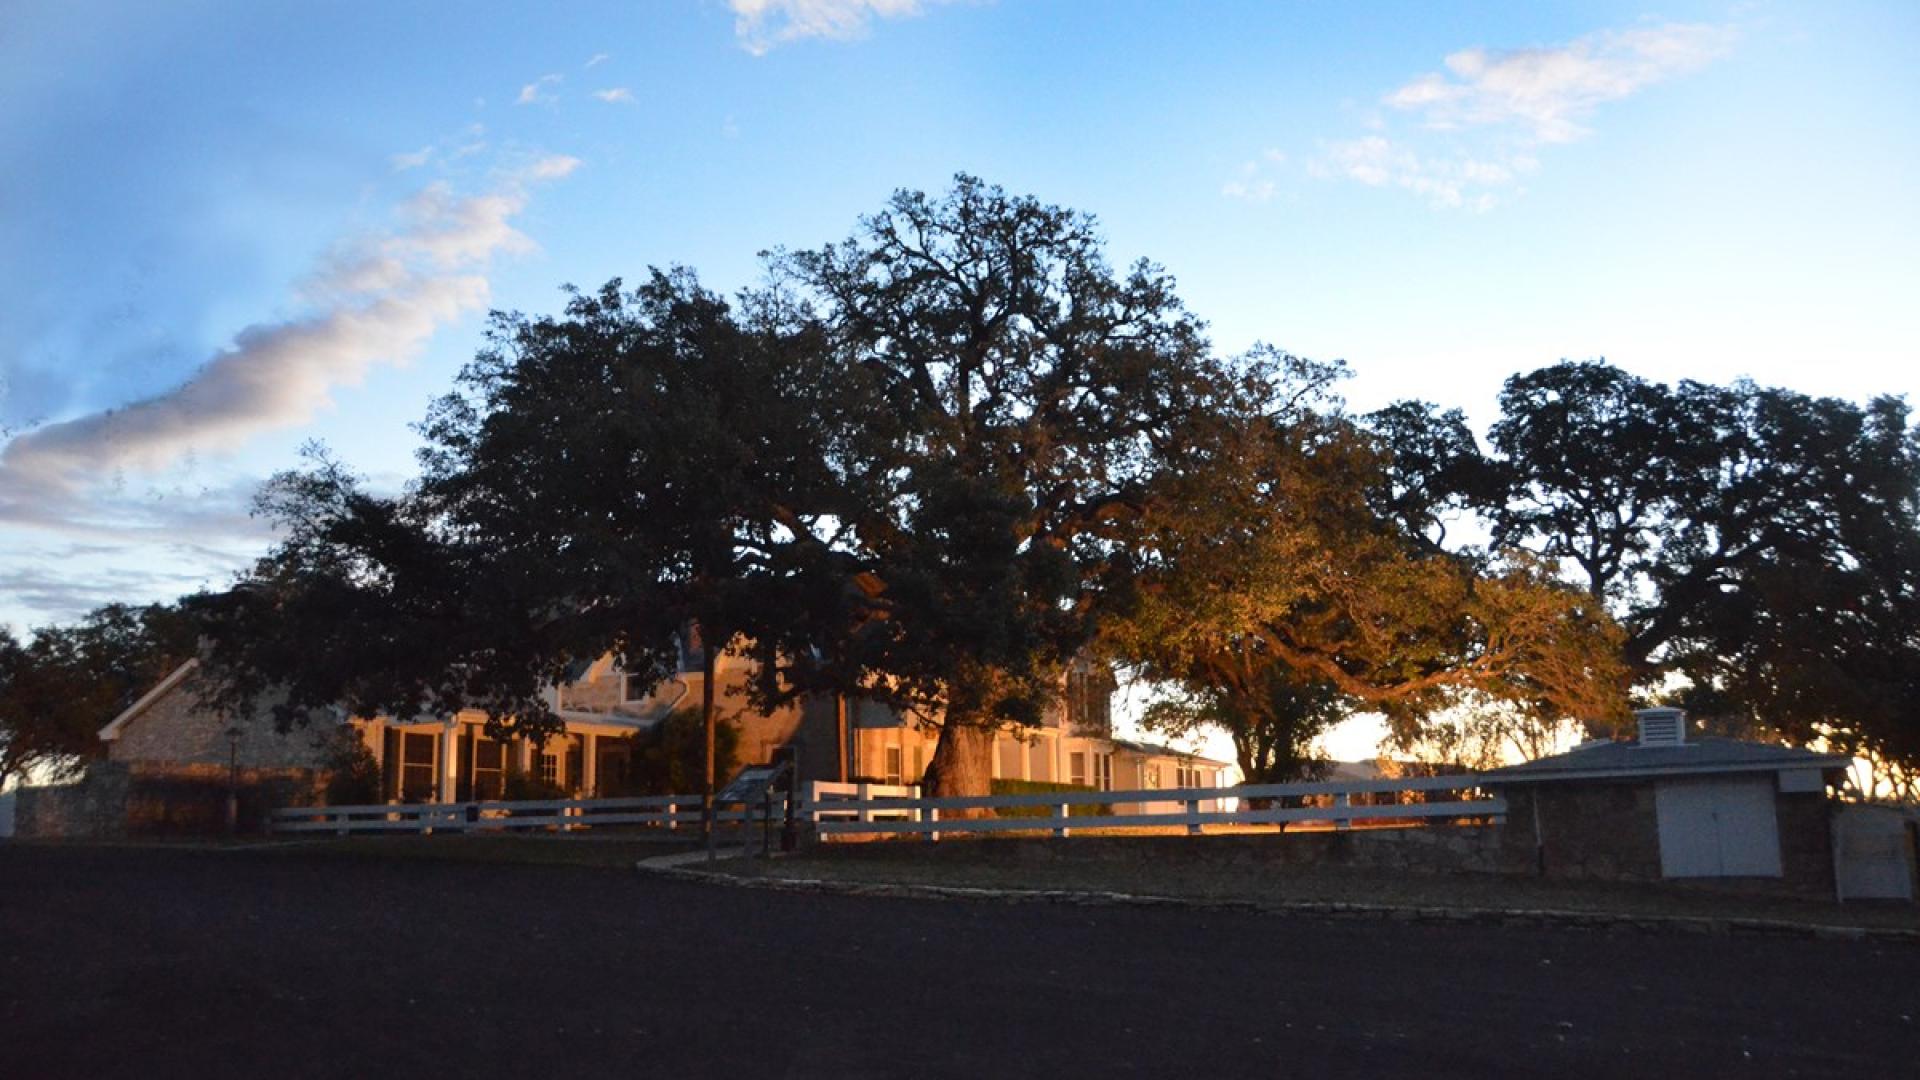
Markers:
<point>962,764</point>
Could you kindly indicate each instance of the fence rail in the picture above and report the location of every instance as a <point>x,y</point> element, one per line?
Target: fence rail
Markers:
<point>847,809</point>
<point>664,811</point>
<point>879,809</point>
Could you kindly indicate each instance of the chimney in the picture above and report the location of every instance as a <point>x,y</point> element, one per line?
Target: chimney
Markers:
<point>1662,726</point>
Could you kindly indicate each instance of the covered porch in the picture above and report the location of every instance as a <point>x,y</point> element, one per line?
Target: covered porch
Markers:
<point>454,760</point>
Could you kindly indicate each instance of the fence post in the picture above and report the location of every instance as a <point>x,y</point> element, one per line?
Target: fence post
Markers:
<point>1342,800</point>
<point>673,815</point>
<point>1193,807</point>
<point>865,812</point>
<point>1060,812</point>
<point>341,820</point>
<point>933,815</point>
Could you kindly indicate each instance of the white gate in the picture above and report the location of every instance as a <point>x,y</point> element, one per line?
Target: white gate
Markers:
<point>1718,828</point>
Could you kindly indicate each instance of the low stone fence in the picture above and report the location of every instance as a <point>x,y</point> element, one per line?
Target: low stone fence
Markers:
<point>115,800</point>
<point>1486,849</point>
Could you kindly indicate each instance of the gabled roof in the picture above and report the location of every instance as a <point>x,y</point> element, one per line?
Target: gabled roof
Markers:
<point>1156,750</point>
<point>1701,754</point>
<point>114,726</point>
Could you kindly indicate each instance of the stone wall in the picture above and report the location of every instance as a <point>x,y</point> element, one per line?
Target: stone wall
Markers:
<point>1596,831</point>
<point>1438,849</point>
<point>178,730</point>
<point>1603,831</point>
<point>115,799</point>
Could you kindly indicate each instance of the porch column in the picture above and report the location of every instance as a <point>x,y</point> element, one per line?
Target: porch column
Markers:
<point>450,761</point>
<point>589,768</point>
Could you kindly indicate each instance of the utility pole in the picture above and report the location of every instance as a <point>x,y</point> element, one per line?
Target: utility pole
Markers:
<point>707,667</point>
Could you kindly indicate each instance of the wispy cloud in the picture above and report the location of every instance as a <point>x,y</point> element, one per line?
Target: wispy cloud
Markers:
<point>762,25</point>
<point>414,160</point>
<point>616,95</point>
<point>378,301</point>
<point>1451,182</point>
<point>1548,92</point>
<point>538,91</point>
<point>596,60</point>
<point>1480,126</point>
<point>1254,181</point>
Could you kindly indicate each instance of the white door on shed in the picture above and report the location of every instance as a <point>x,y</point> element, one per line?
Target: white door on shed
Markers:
<point>1718,828</point>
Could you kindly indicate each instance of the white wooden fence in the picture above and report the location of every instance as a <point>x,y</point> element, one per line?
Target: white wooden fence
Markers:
<point>665,811</point>
<point>843,809</point>
<point>852,809</point>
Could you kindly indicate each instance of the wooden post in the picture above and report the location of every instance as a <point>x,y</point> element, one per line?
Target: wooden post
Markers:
<point>1193,807</point>
<point>1342,800</point>
<point>840,726</point>
<point>1060,813</point>
<point>933,815</point>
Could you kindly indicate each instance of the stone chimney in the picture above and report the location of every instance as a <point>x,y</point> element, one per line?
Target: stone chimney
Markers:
<point>1663,726</point>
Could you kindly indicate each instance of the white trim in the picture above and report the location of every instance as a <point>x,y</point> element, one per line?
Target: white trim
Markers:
<point>1664,772</point>
<point>114,726</point>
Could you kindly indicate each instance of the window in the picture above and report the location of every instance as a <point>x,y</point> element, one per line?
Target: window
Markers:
<point>550,766</point>
<point>893,765</point>
<point>1153,776</point>
<point>1077,768</point>
<point>1103,772</point>
<point>1189,776</point>
<point>489,768</point>
<point>693,655</point>
<point>417,752</point>
<point>633,688</point>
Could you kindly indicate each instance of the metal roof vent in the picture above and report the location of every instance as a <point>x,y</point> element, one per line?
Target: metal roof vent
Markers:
<point>1662,726</point>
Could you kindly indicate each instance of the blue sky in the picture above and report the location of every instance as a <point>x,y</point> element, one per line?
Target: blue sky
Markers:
<point>230,228</point>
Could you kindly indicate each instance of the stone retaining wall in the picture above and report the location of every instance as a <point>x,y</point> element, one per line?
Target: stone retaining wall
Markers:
<point>119,800</point>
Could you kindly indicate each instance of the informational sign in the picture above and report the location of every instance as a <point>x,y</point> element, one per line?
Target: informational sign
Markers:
<point>751,785</point>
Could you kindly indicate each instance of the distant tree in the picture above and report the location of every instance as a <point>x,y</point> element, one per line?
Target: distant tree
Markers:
<point>58,689</point>
<point>1272,716</point>
<point>1292,573</point>
<point>1762,544</point>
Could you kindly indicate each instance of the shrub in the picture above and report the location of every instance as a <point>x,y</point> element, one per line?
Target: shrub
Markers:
<point>670,758</point>
<point>353,775</point>
<point>1035,787</point>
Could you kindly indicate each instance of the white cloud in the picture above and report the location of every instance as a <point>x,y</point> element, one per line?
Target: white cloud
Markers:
<point>403,162</point>
<point>617,95</point>
<point>764,24</point>
<point>380,299</point>
<point>535,92</point>
<point>1254,181</point>
<point>1548,91</point>
<point>1482,123</point>
<point>1447,182</point>
<point>596,60</point>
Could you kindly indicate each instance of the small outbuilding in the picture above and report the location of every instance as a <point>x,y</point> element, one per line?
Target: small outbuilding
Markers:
<point>1670,806</point>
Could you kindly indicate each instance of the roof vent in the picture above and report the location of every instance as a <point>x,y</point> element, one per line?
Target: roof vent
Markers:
<point>1662,726</point>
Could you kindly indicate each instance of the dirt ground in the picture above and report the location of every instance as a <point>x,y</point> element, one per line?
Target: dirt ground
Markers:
<point>430,961</point>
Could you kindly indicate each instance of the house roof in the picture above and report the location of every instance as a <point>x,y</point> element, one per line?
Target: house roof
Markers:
<point>1156,750</point>
<point>118,723</point>
<point>1703,754</point>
